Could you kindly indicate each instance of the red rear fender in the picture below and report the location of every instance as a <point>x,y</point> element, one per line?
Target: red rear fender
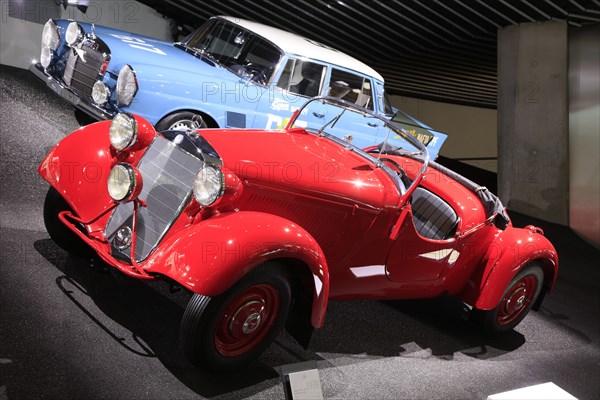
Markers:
<point>512,250</point>
<point>210,256</point>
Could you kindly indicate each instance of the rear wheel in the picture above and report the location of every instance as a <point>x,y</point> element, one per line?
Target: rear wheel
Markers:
<point>59,233</point>
<point>228,331</point>
<point>518,298</point>
<point>181,121</point>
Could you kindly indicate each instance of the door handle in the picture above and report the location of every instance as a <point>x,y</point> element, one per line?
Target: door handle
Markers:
<point>372,124</point>
<point>318,115</point>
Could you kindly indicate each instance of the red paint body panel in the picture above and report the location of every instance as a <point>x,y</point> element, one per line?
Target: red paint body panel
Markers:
<point>290,194</point>
<point>210,256</point>
<point>463,201</point>
<point>79,165</point>
<point>511,250</point>
<point>303,163</point>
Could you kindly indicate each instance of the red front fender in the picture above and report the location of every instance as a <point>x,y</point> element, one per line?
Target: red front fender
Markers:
<point>512,250</point>
<point>210,256</point>
<point>79,165</point>
<point>78,168</point>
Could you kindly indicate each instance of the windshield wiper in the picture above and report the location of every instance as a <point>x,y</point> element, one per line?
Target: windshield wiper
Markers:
<point>332,122</point>
<point>198,53</point>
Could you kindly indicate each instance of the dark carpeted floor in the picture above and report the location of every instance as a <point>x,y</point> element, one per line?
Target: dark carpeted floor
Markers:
<point>71,330</point>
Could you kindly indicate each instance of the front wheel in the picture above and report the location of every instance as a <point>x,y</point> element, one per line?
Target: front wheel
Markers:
<point>518,298</point>
<point>228,331</point>
<point>181,121</point>
<point>59,233</point>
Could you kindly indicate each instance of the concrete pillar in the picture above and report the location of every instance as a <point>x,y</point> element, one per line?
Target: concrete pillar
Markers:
<point>584,131</point>
<point>533,120</point>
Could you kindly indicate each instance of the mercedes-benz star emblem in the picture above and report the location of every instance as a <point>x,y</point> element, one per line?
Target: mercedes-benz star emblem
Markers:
<point>80,53</point>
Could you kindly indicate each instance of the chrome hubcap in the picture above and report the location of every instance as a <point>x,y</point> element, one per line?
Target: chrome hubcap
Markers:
<point>251,315</point>
<point>184,125</point>
<point>520,302</point>
<point>251,323</point>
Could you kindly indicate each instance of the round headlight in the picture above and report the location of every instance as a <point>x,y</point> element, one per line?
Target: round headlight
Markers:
<point>126,85</point>
<point>124,183</point>
<point>46,57</point>
<point>74,33</point>
<point>208,185</point>
<point>50,36</point>
<point>100,93</point>
<point>123,131</point>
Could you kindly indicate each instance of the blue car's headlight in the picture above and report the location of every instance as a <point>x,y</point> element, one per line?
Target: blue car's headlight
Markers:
<point>50,42</point>
<point>127,85</point>
<point>74,34</point>
<point>100,92</point>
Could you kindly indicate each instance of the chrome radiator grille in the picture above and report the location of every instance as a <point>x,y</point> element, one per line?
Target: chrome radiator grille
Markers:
<point>81,71</point>
<point>168,173</point>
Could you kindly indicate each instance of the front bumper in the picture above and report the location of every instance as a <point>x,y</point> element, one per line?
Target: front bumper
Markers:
<point>67,94</point>
<point>99,243</point>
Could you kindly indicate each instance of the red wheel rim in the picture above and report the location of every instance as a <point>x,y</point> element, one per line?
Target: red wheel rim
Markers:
<point>517,300</point>
<point>247,320</point>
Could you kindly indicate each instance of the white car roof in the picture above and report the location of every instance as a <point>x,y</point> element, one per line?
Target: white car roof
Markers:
<point>301,46</point>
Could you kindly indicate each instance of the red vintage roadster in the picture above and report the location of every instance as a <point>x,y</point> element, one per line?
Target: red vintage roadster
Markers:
<point>264,227</point>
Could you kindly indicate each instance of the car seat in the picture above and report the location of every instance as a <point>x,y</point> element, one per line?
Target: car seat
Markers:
<point>433,217</point>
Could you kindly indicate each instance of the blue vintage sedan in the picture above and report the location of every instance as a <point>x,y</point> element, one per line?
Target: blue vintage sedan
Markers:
<point>227,73</point>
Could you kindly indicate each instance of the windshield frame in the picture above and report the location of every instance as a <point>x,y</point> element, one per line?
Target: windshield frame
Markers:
<point>404,192</point>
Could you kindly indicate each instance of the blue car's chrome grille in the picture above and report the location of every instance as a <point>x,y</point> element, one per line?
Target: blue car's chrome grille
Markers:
<point>168,173</point>
<point>82,69</point>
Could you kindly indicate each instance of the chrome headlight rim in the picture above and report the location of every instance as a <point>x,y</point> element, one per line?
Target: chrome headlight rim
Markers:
<point>100,89</point>
<point>114,131</point>
<point>127,85</point>
<point>123,169</point>
<point>218,178</point>
<point>74,34</point>
<point>52,43</point>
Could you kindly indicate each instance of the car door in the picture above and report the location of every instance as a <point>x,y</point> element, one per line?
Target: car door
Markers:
<point>299,80</point>
<point>426,243</point>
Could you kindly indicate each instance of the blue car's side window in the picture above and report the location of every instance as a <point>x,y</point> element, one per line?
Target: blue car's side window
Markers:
<point>302,77</point>
<point>351,87</point>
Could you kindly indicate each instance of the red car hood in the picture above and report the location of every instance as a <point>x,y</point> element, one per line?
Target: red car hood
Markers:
<point>300,162</point>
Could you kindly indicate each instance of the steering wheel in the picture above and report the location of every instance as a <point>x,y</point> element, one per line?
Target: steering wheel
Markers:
<point>403,177</point>
<point>258,73</point>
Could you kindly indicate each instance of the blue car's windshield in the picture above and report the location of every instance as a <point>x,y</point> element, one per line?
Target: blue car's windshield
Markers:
<point>242,52</point>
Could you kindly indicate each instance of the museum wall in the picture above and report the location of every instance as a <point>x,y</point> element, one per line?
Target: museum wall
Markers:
<point>471,130</point>
<point>584,131</point>
<point>23,21</point>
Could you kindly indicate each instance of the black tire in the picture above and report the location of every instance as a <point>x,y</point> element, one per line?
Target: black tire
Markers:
<point>180,121</point>
<point>59,233</point>
<point>516,301</point>
<point>212,338</point>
